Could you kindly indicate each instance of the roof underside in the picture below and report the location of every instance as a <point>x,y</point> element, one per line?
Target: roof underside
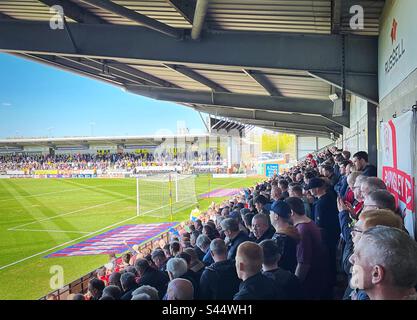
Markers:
<point>266,51</point>
<point>152,140</point>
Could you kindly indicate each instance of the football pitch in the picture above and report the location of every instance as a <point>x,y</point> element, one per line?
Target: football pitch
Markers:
<point>40,216</point>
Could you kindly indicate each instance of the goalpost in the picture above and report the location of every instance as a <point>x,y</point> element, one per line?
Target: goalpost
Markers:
<point>163,195</point>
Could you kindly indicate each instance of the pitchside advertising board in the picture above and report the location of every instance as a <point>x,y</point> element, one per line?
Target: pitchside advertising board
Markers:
<point>397,44</point>
<point>397,141</point>
<point>271,169</point>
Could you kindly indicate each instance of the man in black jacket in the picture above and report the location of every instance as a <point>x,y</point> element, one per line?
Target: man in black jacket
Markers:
<point>219,281</point>
<point>128,285</point>
<point>255,285</point>
<point>230,227</point>
<point>262,228</point>
<point>360,160</point>
<point>160,259</point>
<point>286,280</point>
<point>152,277</point>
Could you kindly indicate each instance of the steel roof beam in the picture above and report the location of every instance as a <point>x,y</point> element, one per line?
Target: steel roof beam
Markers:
<point>193,75</point>
<point>74,11</point>
<point>263,82</point>
<point>79,14</point>
<point>296,126</point>
<point>140,74</point>
<point>336,16</point>
<point>358,84</point>
<point>136,17</point>
<point>306,122</point>
<point>5,16</point>
<point>186,8</point>
<point>255,50</point>
<point>270,116</point>
<point>199,18</point>
<point>244,101</point>
<point>48,60</point>
<point>96,67</point>
<point>298,132</point>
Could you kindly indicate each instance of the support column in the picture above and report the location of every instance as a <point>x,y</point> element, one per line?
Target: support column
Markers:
<point>296,147</point>
<point>371,137</point>
<point>229,152</point>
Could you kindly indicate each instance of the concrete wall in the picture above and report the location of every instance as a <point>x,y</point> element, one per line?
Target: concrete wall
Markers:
<point>306,145</point>
<point>355,138</point>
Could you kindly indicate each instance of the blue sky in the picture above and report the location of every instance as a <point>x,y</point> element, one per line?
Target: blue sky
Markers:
<point>38,101</point>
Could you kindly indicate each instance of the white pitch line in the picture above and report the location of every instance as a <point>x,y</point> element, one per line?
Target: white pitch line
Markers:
<point>85,232</point>
<point>66,243</point>
<point>104,189</point>
<point>47,193</point>
<point>47,230</point>
<point>222,186</point>
<point>67,213</point>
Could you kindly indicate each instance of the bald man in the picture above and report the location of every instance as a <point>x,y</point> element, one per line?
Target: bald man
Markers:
<point>255,285</point>
<point>180,289</point>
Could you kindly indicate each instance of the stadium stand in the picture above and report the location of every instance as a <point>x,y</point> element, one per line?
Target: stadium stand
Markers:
<point>313,256</point>
<point>125,161</point>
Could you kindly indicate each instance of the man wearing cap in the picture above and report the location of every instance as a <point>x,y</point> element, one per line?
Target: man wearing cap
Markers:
<point>286,235</point>
<point>326,215</point>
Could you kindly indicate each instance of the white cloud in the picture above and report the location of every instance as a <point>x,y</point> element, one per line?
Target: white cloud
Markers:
<point>6,104</point>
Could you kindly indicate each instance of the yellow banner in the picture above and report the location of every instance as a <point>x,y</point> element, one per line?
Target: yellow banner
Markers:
<point>46,171</point>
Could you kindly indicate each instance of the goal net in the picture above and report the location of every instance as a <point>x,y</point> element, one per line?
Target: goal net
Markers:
<point>163,195</point>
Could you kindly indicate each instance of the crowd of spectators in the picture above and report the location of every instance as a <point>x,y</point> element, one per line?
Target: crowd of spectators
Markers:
<point>103,161</point>
<point>327,222</point>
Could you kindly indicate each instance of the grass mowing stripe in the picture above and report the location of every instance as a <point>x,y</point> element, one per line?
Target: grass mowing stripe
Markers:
<point>67,213</point>
<point>75,266</point>
<point>66,243</point>
<point>47,193</point>
<point>46,230</point>
<point>71,241</point>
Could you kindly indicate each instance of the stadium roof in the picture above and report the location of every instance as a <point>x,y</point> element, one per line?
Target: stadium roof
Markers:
<point>270,63</point>
<point>148,140</point>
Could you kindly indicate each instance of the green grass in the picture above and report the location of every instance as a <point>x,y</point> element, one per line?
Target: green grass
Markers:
<point>77,207</point>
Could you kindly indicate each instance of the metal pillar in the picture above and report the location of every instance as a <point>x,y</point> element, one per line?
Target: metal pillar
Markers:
<point>371,136</point>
